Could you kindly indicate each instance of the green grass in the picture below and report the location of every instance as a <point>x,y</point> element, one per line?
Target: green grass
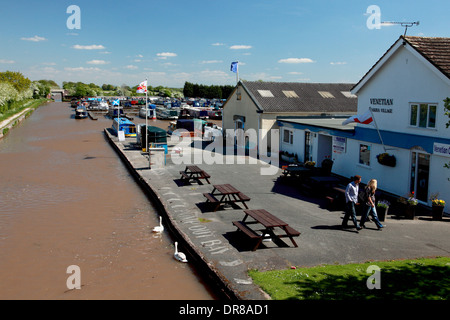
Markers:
<point>19,106</point>
<point>420,279</point>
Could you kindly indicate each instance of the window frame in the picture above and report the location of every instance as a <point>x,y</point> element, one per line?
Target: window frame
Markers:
<point>369,148</point>
<point>290,136</point>
<point>415,119</point>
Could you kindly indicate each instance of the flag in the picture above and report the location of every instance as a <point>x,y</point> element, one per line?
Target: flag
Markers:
<point>234,66</point>
<point>142,87</point>
<point>116,102</point>
<point>365,118</point>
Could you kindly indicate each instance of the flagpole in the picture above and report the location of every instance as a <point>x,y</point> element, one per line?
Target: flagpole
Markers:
<point>146,116</point>
<point>237,72</point>
<point>376,126</point>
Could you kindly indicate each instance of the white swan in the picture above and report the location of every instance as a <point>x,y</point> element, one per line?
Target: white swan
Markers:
<point>180,256</point>
<point>159,228</point>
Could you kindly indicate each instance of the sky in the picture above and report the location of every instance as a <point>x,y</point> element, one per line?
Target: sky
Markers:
<point>173,41</point>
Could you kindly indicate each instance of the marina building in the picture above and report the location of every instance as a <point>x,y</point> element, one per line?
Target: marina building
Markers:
<point>400,135</point>
<point>257,105</point>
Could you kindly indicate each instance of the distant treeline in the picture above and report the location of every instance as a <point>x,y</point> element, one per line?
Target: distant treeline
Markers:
<point>208,92</point>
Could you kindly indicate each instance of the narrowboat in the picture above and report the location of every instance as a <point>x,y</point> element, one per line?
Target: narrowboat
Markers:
<point>125,125</point>
<point>81,112</point>
<point>168,114</point>
<point>151,112</point>
<point>194,127</point>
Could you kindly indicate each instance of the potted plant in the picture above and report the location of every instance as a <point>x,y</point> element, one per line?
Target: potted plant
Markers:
<point>410,205</point>
<point>437,207</point>
<point>310,164</point>
<point>327,164</point>
<point>387,159</point>
<point>382,209</point>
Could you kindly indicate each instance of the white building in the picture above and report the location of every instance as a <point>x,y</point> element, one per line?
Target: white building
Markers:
<point>257,104</point>
<point>405,90</point>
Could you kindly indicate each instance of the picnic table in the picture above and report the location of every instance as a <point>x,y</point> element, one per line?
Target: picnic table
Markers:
<point>270,224</point>
<point>225,194</point>
<point>323,183</point>
<point>194,173</point>
<point>296,171</point>
<point>336,197</point>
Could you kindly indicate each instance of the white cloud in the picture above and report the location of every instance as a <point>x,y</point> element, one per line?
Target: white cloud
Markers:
<point>97,62</point>
<point>7,61</point>
<point>131,67</point>
<point>338,63</point>
<point>217,44</point>
<point>34,39</point>
<point>90,47</point>
<point>240,47</point>
<point>165,55</point>
<point>295,72</point>
<point>295,60</point>
<point>211,61</point>
<point>82,69</point>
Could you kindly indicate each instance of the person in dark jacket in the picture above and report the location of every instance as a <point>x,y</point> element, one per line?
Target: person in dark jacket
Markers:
<point>351,199</point>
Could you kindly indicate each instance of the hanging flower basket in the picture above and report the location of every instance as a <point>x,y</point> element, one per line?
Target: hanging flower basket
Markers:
<point>387,159</point>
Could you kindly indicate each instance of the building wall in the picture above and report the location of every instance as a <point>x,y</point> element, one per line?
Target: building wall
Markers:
<point>405,79</point>
<point>244,107</point>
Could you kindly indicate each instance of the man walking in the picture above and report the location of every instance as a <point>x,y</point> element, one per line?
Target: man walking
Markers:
<point>351,199</point>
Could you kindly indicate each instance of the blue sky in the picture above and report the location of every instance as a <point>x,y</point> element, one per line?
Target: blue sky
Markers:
<point>173,41</point>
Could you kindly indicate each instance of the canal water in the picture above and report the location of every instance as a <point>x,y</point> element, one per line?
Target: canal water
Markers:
<point>67,199</point>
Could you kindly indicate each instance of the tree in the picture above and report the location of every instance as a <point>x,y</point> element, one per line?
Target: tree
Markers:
<point>16,79</point>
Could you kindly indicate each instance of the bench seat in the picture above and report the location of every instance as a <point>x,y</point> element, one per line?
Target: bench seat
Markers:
<point>184,175</point>
<point>209,197</point>
<point>292,232</point>
<point>243,197</point>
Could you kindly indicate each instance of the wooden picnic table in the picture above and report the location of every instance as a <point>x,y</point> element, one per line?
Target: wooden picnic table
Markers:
<point>194,173</point>
<point>270,224</point>
<point>225,194</point>
<point>296,171</point>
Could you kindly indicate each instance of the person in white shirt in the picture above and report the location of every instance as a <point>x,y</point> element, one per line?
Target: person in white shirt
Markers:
<point>351,199</point>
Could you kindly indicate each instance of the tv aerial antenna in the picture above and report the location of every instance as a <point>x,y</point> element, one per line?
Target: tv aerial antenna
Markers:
<point>403,24</point>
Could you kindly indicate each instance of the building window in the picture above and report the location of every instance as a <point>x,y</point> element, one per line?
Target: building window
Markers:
<point>266,93</point>
<point>423,115</point>
<point>364,154</point>
<point>288,136</point>
<point>290,94</point>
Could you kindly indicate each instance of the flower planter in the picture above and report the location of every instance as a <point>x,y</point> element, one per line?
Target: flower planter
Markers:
<point>382,213</point>
<point>410,212</point>
<point>437,212</point>
<point>387,160</point>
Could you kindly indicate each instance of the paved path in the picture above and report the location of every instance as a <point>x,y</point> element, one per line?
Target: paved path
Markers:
<point>210,238</point>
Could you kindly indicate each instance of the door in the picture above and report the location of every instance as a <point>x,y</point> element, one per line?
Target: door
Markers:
<point>420,170</point>
<point>239,125</point>
<point>308,146</point>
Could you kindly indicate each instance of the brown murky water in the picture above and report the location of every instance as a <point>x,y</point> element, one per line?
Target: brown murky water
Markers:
<point>67,199</point>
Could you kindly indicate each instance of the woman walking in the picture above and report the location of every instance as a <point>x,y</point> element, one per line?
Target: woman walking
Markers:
<point>370,203</point>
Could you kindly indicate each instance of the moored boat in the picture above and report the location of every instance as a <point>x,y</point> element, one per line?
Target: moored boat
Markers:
<point>81,112</point>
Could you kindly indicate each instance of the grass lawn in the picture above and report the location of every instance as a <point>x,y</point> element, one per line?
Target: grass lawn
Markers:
<point>419,279</point>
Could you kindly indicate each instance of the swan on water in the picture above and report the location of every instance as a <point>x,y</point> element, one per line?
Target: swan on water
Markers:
<point>159,228</point>
<point>180,256</point>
